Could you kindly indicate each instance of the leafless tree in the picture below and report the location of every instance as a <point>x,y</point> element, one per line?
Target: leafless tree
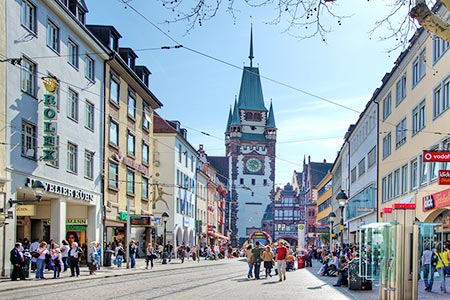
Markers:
<point>316,18</point>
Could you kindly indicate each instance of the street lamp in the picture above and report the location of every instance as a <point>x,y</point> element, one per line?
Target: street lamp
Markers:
<point>38,189</point>
<point>331,217</point>
<point>342,200</point>
<point>165,217</point>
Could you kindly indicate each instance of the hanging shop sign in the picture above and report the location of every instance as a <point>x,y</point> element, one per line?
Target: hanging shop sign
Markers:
<point>444,177</point>
<point>404,206</point>
<point>62,190</point>
<point>436,156</point>
<point>143,220</point>
<point>49,116</point>
<point>436,200</point>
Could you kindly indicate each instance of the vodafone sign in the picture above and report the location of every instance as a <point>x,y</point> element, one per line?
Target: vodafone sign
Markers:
<point>436,156</point>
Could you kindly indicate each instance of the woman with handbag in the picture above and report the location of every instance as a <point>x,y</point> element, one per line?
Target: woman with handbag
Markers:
<point>149,255</point>
<point>249,256</point>
<point>442,264</point>
<point>40,262</point>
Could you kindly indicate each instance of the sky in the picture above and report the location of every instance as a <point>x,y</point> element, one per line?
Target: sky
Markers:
<point>318,89</point>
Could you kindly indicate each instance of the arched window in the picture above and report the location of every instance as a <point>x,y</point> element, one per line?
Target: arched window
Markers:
<point>257,117</point>
<point>248,116</point>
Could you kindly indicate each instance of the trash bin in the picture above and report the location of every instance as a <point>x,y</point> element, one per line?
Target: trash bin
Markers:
<point>108,258</point>
<point>301,261</point>
<point>355,282</point>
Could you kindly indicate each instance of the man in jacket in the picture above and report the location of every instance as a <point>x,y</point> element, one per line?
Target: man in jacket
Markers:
<point>16,258</point>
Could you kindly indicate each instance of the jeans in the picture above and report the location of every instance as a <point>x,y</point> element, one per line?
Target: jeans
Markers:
<point>133,260</point>
<point>442,277</point>
<point>149,258</point>
<point>119,260</point>
<point>65,261</point>
<point>56,271</point>
<point>428,276</point>
<point>40,265</point>
<point>257,268</point>
<point>250,270</point>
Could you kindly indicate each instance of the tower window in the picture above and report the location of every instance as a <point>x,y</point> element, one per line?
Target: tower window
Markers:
<point>241,181</point>
<point>265,182</point>
<point>257,117</point>
<point>253,181</point>
<point>248,116</point>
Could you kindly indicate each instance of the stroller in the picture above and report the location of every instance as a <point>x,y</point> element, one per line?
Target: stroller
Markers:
<point>290,266</point>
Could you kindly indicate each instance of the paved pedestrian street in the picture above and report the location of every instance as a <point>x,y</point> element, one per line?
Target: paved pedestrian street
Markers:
<point>222,279</point>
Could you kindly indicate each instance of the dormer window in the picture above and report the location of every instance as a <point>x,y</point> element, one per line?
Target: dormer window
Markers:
<point>81,16</point>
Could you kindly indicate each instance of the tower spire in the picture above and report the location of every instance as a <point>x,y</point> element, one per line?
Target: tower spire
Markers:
<point>251,46</point>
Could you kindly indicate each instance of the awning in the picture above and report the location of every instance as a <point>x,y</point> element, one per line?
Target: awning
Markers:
<point>111,223</point>
<point>217,235</point>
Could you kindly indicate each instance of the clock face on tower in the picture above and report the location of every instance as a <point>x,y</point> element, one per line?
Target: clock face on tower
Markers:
<point>253,165</point>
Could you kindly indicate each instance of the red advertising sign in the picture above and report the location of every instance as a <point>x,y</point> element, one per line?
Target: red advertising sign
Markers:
<point>444,177</point>
<point>436,200</point>
<point>404,206</point>
<point>387,210</point>
<point>436,156</point>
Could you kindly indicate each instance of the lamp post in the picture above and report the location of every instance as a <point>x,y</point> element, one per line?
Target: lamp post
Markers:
<point>331,217</point>
<point>342,200</point>
<point>165,217</point>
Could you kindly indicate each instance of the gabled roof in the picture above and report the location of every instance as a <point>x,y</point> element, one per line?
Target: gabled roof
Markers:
<point>160,125</point>
<point>271,118</point>
<point>319,171</point>
<point>250,94</point>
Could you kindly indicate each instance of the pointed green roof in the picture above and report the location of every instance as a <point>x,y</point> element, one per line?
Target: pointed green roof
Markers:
<point>229,121</point>
<point>271,118</point>
<point>250,95</point>
<point>235,120</point>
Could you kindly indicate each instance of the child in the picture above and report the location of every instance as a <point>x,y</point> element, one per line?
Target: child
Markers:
<point>57,262</point>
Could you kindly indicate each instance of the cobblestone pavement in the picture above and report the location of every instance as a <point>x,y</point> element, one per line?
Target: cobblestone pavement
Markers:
<point>224,279</point>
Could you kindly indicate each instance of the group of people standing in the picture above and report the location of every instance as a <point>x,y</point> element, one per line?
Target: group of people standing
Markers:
<point>435,259</point>
<point>52,256</point>
<point>268,255</point>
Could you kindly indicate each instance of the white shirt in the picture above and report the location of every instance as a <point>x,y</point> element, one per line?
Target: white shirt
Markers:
<point>65,251</point>
<point>426,257</point>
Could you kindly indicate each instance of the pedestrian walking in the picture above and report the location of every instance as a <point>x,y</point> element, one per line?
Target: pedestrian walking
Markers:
<point>267,257</point>
<point>257,259</point>
<point>168,250</point>
<point>442,263</point>
<point>33,247</point>
<point>132,253</point>
<point>74,259</point>
<point>65,254</point>
<point>149,255</point>
<point>40,262</point>
<point>181,253</point>
<point>119,253</point>
<point>281,253</point>
<point>99,255</point>
<point>249,256</point>
<point>428,268</point>
<point>92,258</point>
<point>17,259</point>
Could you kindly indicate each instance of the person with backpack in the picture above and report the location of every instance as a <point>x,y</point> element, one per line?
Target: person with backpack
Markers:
<point>429,262</point>
<point>119,253</point>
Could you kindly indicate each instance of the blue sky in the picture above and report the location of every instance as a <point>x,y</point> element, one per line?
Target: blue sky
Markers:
<point>198,90</point>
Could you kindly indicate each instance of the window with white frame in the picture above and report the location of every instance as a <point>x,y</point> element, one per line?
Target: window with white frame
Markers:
<point>145,153</point>
<point>113,175</point>
<point>439,48</point>
<point>353,174</point>
<point>114,90</point>
<point>113,133</point>
<point>180,153</point>
<point>390,186</point>
<point>418,118</point>
<point>419,67</point>
<point>372,157</point>
<point>28,16</point>
<point>144,187</point>
<point>28,140</point>
<point>384,190</point>
<point>434,166</point>
<point>130,181</point>
<point>89,164</point>
<point>89,115</point>
<point>90,68</point>
<point>400,133</point>
<point>423,171</point>
<point>146,116</point>
<point>437,102</point>
<point>400,90</point>
<point>404,179</point>
<point>131,144</point>
<point>131,105</point>
<point>414,174</point>
<point>362,167</point>
<point>387,106</point>
<point>72,156</point>
<point>386,145</point>
<point>397,183</point>
<point>28,76</point>
<point>52,36</point>
<point>72,53</point>
<point>446,94</point>
<point>72,107</point>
